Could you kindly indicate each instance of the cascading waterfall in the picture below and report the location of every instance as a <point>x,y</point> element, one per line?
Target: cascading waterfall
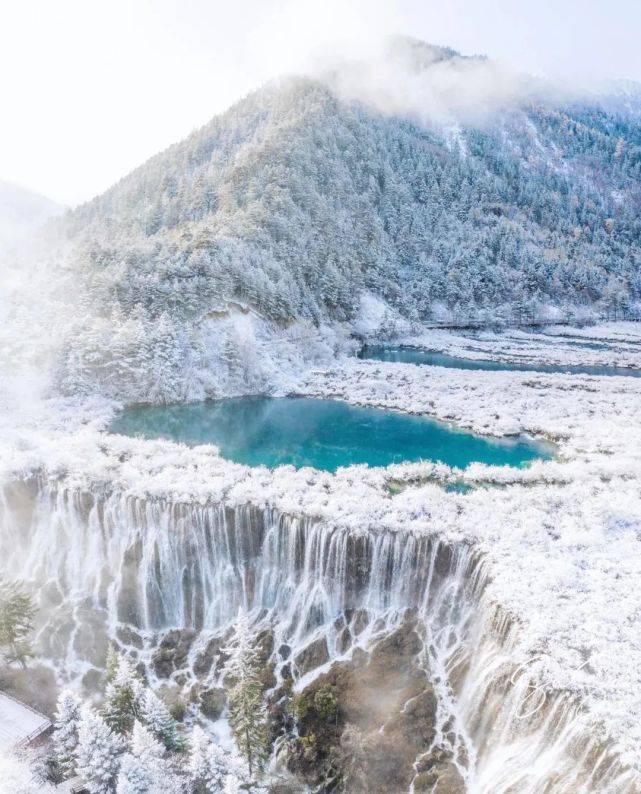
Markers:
<point>101,561</point>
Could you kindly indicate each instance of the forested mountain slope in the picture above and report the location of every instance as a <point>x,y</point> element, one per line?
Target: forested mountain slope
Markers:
<point>296,201</point>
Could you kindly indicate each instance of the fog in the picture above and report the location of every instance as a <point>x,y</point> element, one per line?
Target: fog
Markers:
<point>90,90</point>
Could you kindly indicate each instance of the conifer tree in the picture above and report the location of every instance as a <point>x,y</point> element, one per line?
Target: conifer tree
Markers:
<point>134,776</point>
<point>17,612</point>
<point>113,658</point>
<point>123,697</point>
<point>209,765</point>
<point>144,770</point>
<point>155,715</point>
<point>199,744</point>
<point>144,745</point>
<point>98,753</point>
<point>65,735</point>
<point>247,716</point>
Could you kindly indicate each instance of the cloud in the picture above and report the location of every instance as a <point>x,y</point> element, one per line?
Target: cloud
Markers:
<point>405,77</point>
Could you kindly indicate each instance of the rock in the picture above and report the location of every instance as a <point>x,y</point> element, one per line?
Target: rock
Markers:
<point>90,640</point>
<point>127,636</point>
<point>339,623</point>
<point>265,647</point>
<point>54,639</point>
<point>212,702</point>
<point>204,659</point>
<point>379,625</point>
<point>390,755</point>
<point>93,681</point>
<point>398,648</point>
<point>50,595</point>
<point>284,651</point>
<point>344,640</point>
<point>384,697</point>
<point>172,652</point>
<point>312,656</point>
<point>265,644</point>
<point>438,773</point>
<point>128,605</point>
<point>173,699</point>
<point>360,621</point>
<point>359,657</point>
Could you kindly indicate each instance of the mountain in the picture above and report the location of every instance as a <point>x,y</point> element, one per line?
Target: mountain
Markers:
<point>22,211</point>
<point>303,199</point>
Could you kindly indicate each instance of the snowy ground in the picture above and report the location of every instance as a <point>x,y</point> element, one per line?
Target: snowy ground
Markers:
<point>609,344</point>
<point>563,536</point>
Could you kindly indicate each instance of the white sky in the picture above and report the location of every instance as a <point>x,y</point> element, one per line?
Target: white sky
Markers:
<point>91,88</point>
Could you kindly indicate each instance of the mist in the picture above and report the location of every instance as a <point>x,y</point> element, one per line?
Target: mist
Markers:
<point>94,90</point>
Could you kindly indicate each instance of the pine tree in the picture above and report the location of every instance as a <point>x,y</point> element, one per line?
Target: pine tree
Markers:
<point>113,658</point>
<point>247,716</point>
<point>144,770</point>
<point>155,715</point>
<point>17,612</point>
<point>144,745</point>
<point>65,735</point>
<point>123,697</point>
<point>199,744</point>
<point>98,753</point>
<point>134,776</point>
<point>209,764</point>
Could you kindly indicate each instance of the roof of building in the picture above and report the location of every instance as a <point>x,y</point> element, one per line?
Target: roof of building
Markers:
<point>19,723</point>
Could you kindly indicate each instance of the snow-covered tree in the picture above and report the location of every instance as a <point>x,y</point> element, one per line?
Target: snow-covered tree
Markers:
<point>209,765</point>
<point>98,753</point>
<point>144,745</point>
<point>17,612</point>
<point>155,715</point>
<point>134,777</point>
<point>123,697</point>
<point>144,769</point>
<point>247,716</point>
<point>421,220</point>
<point>65,734</point>
<point>17,777</point>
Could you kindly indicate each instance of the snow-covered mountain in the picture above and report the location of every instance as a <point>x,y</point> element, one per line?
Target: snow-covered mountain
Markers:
<point>23,211</point>
<point>438,185</point>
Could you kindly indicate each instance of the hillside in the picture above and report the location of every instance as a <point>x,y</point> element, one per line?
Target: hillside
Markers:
<point>297,202</point>
<point>22,211</point>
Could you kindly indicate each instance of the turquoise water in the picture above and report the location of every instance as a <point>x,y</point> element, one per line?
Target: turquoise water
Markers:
<point>324,434</point>
<point>413,355</point>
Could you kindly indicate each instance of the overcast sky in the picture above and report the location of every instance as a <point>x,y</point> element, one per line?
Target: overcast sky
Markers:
<point>91,88</point>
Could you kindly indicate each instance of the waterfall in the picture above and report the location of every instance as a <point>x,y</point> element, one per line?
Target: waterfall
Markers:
<point>103,561</point>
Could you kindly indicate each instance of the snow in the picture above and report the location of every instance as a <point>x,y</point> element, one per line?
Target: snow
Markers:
<point>612,344</point>
<point>18,722</point>
<point>562,537</point>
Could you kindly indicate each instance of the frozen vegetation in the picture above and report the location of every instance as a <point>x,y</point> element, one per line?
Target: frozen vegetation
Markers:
<point>255,257</point>
<point>607,345</point>
<point>560,536</point>
<point>307,195</point>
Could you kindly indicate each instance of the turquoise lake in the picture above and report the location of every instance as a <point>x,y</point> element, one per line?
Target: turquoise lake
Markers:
<point>413,355</point>
<point>324,434</point>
